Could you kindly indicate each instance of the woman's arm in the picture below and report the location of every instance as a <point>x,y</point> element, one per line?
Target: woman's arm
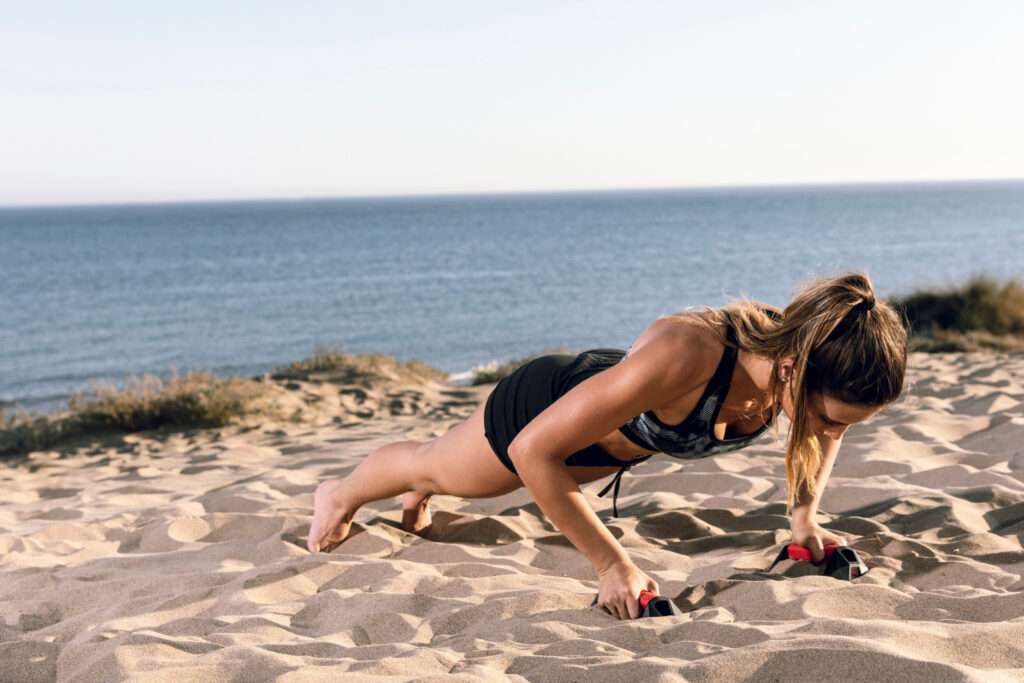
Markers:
<point>558,495</point>
<point>806,531</point>
<point>655,374</point>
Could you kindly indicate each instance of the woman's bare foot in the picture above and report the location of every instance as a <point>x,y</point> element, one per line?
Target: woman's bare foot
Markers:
<point>416,512</point>
<point>331,519</point>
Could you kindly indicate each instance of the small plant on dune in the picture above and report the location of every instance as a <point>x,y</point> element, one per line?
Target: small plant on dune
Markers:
<point>22,433</point>
<point>494,371</point>
<point>981,313</point>
<point>197,399</point>
<point>363,368</point>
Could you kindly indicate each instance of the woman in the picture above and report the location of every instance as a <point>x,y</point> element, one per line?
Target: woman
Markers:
<point>692,385</point>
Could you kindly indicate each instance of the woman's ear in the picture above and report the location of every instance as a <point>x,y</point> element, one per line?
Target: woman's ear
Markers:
<point>785,370</point>
<point>785,387</point>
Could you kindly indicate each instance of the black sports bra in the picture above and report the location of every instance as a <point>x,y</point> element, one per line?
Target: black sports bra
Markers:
<point>694,437</point>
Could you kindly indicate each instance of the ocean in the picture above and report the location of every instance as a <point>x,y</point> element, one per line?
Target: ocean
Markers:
<point>96,293</point>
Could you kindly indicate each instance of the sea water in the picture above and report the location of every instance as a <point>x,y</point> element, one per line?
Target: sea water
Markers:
<point>101,292</point>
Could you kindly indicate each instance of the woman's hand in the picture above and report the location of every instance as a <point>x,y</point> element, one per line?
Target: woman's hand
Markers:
<point>814,538</point>
<point>618,589</point>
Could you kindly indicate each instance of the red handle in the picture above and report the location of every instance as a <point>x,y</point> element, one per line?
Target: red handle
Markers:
<point>646,597</point>
<point>798,552</point>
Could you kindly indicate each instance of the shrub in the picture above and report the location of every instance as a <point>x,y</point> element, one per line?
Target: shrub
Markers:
<point>364,368</point>
<point>23,433</point>
<point>199,399</point>
<point>493,371</point>
<point>981,313</point>
<point>195,400</point>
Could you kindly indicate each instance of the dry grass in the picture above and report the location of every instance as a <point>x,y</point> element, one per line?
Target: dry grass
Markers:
<point>981,314</point>
<point>338,365</point>
<point>493,372</point>
<point>23,433</point>
<point>195,400</point>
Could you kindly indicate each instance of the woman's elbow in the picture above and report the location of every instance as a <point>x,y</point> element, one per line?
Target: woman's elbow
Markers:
<point>525,454</point>
<point>517,451</point>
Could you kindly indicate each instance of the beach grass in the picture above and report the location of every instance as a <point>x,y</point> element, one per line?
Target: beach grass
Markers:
<point>193,400</point>
<point>365,368</point>
<point>196,399</point>
<point>980,314</point>
<point>494,371</point>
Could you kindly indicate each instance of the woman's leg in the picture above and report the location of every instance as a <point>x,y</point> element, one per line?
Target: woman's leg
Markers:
<point>416,505</point>
<point>458,463</point>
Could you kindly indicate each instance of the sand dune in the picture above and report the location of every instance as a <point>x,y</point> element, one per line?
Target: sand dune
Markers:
<point>181,557</point>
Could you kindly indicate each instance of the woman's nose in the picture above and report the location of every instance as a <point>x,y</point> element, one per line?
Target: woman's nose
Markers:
<point>836,432</point>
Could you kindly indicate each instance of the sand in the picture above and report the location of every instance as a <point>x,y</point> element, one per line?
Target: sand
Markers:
<point>173,557</point>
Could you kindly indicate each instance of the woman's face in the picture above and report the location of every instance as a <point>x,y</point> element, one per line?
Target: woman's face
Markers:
<point>827,416</point>
<point>831,418</point>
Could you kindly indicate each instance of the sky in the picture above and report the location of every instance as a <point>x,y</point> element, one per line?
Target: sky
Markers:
<point>107,102</point>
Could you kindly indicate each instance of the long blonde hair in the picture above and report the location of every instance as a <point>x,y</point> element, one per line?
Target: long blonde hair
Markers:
<point>844,343</point>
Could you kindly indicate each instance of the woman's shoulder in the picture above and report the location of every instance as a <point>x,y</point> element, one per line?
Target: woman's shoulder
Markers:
<point>680,345</point>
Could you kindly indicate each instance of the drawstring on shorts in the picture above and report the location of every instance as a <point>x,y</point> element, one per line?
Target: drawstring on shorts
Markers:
<point>615,495</point>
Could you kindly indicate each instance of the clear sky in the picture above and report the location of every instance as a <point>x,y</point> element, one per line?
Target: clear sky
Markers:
<point>145,101</point>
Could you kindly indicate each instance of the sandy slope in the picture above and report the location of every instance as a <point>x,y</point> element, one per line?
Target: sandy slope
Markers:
<point>182,558</point>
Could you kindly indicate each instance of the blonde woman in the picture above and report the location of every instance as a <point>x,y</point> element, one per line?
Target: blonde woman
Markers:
<point>691,385</point>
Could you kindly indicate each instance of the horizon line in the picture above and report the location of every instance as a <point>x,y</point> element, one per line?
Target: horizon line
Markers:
<point>508,193</point>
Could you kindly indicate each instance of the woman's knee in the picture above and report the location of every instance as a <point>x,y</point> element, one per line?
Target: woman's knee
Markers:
<point>423,465</point>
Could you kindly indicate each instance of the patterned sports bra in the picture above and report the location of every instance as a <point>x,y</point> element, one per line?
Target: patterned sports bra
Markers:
<point>694,437</point>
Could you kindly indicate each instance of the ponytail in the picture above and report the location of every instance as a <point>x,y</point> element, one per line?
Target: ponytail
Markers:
<point>844,343</point>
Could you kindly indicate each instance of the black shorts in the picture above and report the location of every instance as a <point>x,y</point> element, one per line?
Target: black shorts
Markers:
<point>525,393</point>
